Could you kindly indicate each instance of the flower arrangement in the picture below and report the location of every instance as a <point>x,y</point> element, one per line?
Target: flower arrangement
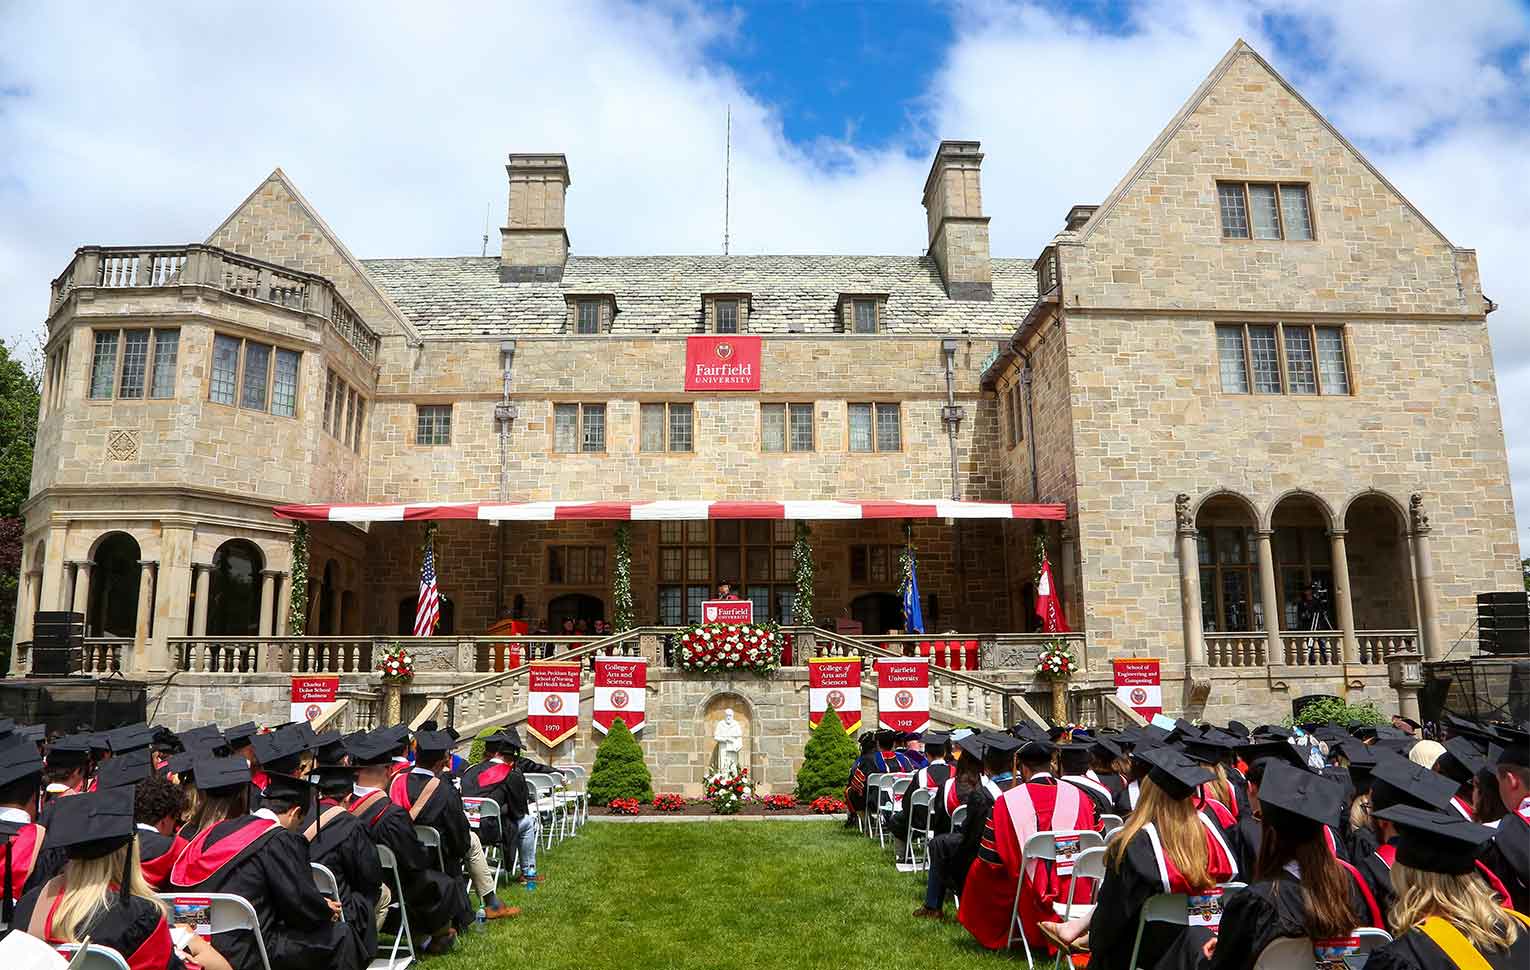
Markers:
<point>723,647</point>
<point>624,806</point>
<point>1056,662</point>
<point>397,665</point>
<point>727,793</point>
<point>669,803</point>
<point>780,803</point>
<point>828,805</point>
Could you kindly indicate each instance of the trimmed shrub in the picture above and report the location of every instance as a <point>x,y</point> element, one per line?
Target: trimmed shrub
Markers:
<point>1332,710</point>
<point>826,761</point>
<point>619,770</point>
<point>475,751</point>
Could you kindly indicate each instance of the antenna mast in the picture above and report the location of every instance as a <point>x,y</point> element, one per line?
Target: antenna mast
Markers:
<point>485,251</point>
<point>727,179</point>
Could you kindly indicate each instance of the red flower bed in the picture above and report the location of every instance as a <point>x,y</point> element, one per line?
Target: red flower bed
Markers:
<point>780,802</point>
<point>624,806</point>
<point>825,805</point>
<point>669,803</point>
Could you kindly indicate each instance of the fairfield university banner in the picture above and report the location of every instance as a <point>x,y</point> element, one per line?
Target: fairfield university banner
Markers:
<point>621,688</point>
<point>903,693</point>
<point>727,363</point>
<point>552,700</point>
<point>835,682</point>
<point>1139,684</point>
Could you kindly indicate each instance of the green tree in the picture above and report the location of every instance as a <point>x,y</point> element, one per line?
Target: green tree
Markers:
<point>826,760</point>
<point>19,403</point>
<point>619,771</point>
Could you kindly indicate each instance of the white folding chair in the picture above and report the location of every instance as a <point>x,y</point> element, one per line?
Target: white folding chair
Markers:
<point>567,799</point>
<point>475,809</point>
<point>1296,953</point>
<point>893,788</point>
<point>958,819</point>
<point>430,838</point>
<point>220,913</point>
<point>1109,823</point>
<point>1170,908</point>
<point>576,779</point>
<point>401,939</point>
<point>873,783</point>
<point>920,813</point>
<point>92,956</point>
<point>545,805</point>
<point>325,882</point>
<point>1048,847</point>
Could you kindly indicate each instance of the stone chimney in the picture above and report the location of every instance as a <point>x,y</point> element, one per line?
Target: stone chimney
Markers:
<point>953,203</point>
<point>534,243</point>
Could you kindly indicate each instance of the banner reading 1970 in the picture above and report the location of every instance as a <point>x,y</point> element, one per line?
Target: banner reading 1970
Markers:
<point>552,700</point>
<point>903,693</point>
<point>621,690</point>
<point>835,682</point>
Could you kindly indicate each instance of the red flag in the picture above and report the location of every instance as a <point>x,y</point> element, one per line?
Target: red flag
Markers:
<point>1048,604</point>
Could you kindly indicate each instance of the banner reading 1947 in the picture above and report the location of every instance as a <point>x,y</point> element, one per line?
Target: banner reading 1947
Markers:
<point>552,700</point>
<point>621,690</point>
<point>835,682</point>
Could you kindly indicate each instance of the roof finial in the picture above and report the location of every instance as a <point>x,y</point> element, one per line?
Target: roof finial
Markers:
<point>727,178</point>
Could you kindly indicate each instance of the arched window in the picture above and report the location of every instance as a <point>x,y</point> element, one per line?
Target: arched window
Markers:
<point>1229,566</point>
<point>576,607</point>
<point>113,607</point>
<point>233,607</point>
<point>446,624</point>
<point>877,612</point>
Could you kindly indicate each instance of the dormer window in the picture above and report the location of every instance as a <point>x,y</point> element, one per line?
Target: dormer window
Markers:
<point>590,313</point>
<point>861,313</point>
<point>727,316</point>
<point>725,312</point>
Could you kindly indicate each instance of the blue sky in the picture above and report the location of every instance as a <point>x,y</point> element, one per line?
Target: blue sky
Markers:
<point>116,127</point>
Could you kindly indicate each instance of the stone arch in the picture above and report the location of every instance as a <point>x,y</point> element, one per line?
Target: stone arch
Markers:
<point>1266,521</point>
<point>1301,524</point>
<point>711,710</point>
<point>1228,494</point>
<point>233,607</point>
<point>112,609</point>
<point>1381,586</point>
<point>574,606</point>
<point>1399,509</point>
<point>1227,562</point>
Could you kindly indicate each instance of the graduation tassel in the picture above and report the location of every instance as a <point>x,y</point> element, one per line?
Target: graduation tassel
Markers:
<point>8,907</point>
<point>127,870</point>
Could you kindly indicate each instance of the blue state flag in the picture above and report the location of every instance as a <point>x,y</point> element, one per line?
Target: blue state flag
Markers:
<point>913,614</point>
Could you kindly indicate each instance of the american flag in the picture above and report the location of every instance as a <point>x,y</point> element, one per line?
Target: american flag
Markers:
<point>428,610</point>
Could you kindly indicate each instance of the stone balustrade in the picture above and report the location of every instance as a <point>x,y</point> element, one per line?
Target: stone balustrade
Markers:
<point>121,267</point>
<point>1236,649</point>
<point>1309,648</point>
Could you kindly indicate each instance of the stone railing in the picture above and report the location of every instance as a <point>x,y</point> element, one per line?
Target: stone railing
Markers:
<point>1046,271</point>
<point>1313,648</point>
<point>145,267</point>
<point>103,655</point>
<point>976,651</point>
<point>1310,648</point>
<point>358,655</point>
<point>1236,649</point>
<point>1378,646</point>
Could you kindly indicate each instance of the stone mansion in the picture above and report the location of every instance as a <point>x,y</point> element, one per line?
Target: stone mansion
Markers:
<point>1254,379</point>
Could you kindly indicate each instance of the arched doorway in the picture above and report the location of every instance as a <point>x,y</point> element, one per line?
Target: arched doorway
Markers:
<point>233,607</point>
<point>576,607</point>
<point>1229,565</point>
<point>113,607</point>
<point>327,597</point>
<point>877,612</point>
<point>1380,574</point>
<point>446,621</point>
<point>1303,564</point>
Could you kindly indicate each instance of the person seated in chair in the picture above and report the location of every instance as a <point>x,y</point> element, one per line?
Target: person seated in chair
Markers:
<point>157,808</point>
<point>952,854</point>
<point>516,829</point>
<point>1074,767</point>
<point>433,801</point>
<point>338,841</point>
<point>21,773</point>
<point>933,776</point>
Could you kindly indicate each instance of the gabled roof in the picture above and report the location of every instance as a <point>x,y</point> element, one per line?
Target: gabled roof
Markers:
<point>463,296</point>
<point>279,176</point>
<point>1239,49</point>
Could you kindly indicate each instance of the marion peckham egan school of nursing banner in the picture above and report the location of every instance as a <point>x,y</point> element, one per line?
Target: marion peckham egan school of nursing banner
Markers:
<point>552,700</point>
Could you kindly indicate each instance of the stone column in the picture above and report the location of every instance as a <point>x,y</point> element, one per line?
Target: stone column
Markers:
<point>1071,608</point>
<point>1423,575</point>
<point>81,601</point>
<point>26,606</point>
<point>1269,596</point>
<point>283,605</point>
<point>204,592</point>
<point>1189,582</point>
<point>53,588</point>
<point>144,624</point>
<point>172,594</point>
<point>1343,602</point>
<point>267,599</point>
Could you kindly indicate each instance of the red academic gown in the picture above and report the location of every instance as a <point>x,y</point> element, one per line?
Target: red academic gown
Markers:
<point>134,927</point>
<point>24,851</point>
<point>1040,805</point>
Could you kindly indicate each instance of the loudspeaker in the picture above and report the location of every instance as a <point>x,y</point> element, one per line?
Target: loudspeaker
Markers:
<point>1503,622</point>
<point>58,643</point>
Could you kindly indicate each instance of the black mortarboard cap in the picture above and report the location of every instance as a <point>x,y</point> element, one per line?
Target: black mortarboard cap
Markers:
<point>1270,731</point>
<point>935,738</point>
<point>100,741</point>
<point>396,734</point>
<point>165,739</point>
<point>19,761</point>
<point>1174,771</point>
<point>131,738</point>
<point>1441,842</point>
<point>240,734</point>
<point>886,738</point>
<point>1277,748</point>
<point>1397,781</point>
<point>512,738</point>
<point>1237,729</point>
<point>288,786</point>
<point>275,749</point>
<point>433,744</point>
<point>1210,747</point>
<point>1461,761</point>
<point>205,736</point>
<point>182,765</point>
<point>1481,735</point>
<point>93,824</point>
<point>71,749</point>
<point>32,732</point>
<point>1152,734</point>
<point>973,746</point>
<point>220,774</point>
<point>1075,756</point>
<point>1295,799</point>
<point>1105,748</point>
<point>124,769</point>
<point>1514,747</point>
<point>373,748</point>
<point>1034,748</point>
<point>1003,743</point>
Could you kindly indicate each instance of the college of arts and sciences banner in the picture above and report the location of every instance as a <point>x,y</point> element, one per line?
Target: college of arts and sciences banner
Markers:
<point>724,363</point>
<point>314,695</point>
<point>835,682</point>
<point>1139,684</point>
<point>903,693</point>
<point>552,700</point>
<point>621,689</point>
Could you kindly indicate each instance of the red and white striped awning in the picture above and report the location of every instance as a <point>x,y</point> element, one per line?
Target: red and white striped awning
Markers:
<point>669,511</point>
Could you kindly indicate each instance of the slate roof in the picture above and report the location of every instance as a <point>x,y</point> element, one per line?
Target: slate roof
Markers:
<point>462,296</point>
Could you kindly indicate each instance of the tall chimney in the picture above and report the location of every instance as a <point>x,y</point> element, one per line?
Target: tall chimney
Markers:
<point>534,242</point>
<point>953,203</point>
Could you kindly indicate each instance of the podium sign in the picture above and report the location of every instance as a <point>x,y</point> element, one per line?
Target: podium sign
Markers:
<point>727,611</point>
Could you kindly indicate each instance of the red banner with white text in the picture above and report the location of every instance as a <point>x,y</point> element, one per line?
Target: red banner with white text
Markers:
<point>835,682</point>
<point>724,363</point>
<point>903,693</point>
<point>552,700</point>
<point>621,689</point>
<point>1139,684</point>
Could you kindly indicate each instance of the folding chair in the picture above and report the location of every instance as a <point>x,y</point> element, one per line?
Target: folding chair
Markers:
<point>873,783</point>
<point>430,838</point>
<point>546,806</point>
<point>476,809</point>
<point>1171,908</point>
<point>958,818</point>
<point>401,939</point>
<point>1296,953</point>
<point>92,956</point>
<point>220,912</point>
<point>1109,823</point>
<point>577,783</point>
<point>920,816</point>
<point>1045,846</point>
<point>888,795</point>
<point>325,882</point>
<point>565,798</point>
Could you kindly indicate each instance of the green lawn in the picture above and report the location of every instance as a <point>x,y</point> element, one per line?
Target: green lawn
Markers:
<point>797,895</point>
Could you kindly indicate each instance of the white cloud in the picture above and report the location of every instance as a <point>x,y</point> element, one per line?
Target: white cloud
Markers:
<point>120,128</point>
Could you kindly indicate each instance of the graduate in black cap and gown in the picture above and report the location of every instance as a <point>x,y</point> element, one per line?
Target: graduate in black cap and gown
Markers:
<point>1509,854</point>
<point>1445,918</point>
<point>952,854</point>
<point>21,773</point>
<point>262,857</point>
<point>432,800</point>
<point>517,828</point>
<point>338,841</point>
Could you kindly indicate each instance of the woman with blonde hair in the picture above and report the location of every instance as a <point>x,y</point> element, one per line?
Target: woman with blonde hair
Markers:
<point>1444,916</point>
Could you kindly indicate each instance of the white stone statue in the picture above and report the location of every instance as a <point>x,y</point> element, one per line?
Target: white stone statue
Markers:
<point>730,741</point>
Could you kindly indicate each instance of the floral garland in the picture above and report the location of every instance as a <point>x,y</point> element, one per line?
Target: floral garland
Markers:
<point>297,609</point>
<point>1057,661</point>
<point>621,581</point>
<point>727,793</point>
<point>397,665</point>
<point>723,647</point>
<point>802,575</point>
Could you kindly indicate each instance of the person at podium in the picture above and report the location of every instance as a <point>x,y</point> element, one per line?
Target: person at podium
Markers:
<point>725,591</point>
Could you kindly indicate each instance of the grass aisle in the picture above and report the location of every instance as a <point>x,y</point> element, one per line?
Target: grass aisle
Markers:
<point>763,895</point>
